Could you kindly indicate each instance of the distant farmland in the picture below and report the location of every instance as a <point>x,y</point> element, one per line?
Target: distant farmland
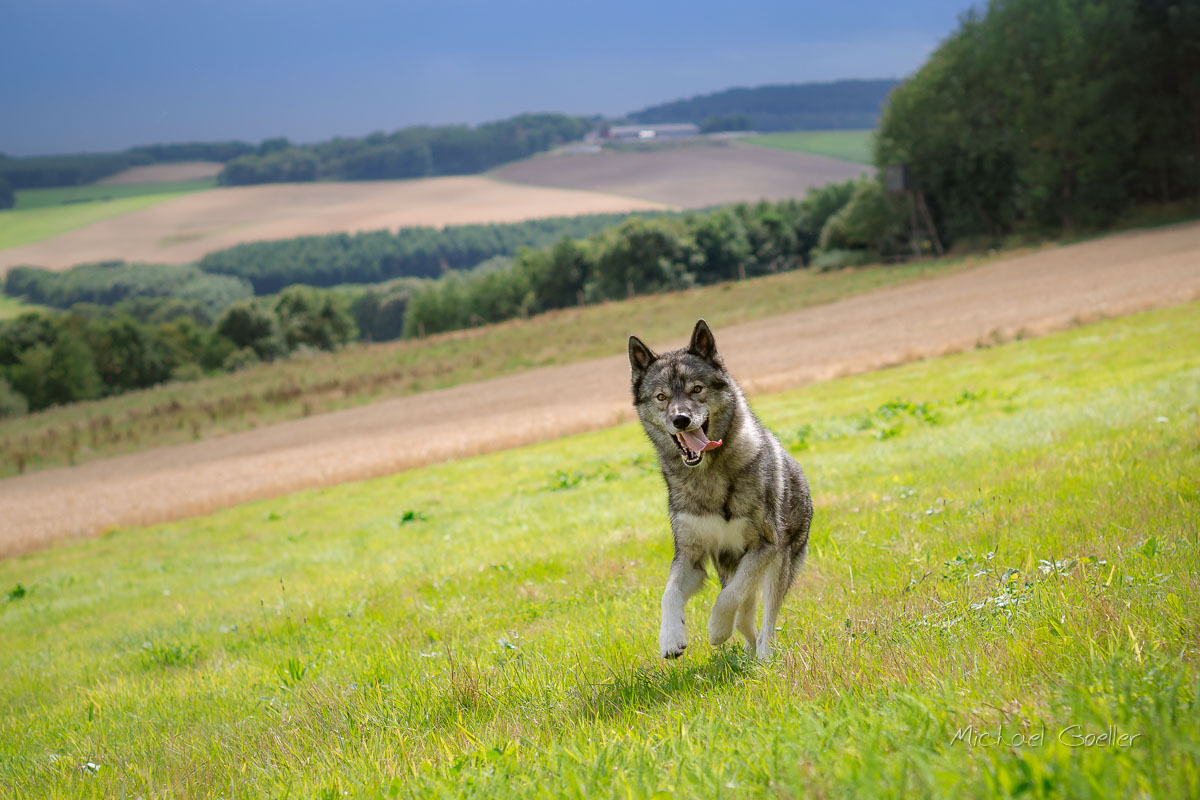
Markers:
<point>692,176</point>
<point>161,173</point>
<point>102,192</point>
<point>188,227</point>
<point>59,228</point>
<point>846,145</point>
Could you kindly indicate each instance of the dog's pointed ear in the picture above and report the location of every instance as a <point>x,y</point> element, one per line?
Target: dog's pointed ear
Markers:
<point>640,356</point>
<point>703,343</point>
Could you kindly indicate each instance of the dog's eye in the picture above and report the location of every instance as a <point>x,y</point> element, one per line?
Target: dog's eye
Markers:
<point>661,397</point>
<point>697,389</point>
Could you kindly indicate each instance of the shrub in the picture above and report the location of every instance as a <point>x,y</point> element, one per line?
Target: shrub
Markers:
<point>250,325</point>
<point>12,402</point>
<point>829,260</point>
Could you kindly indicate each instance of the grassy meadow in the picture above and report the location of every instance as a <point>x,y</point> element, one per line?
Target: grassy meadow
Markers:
<point>318,382</point>
<point>102,193</point>
<point>846,145</point>
<point>1004,546</point>
<point>11,307</point>
<point>43,213</point>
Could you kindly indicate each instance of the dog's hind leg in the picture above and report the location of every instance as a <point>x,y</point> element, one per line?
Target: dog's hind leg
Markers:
<point>683,582</point>
<point>727,564</point>
<point>776,581</point>
<point>731,598</point>
<point>745,620</point>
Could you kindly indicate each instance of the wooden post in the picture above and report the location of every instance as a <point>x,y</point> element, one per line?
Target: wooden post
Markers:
<point>913,225</point>
<point>924,209</point>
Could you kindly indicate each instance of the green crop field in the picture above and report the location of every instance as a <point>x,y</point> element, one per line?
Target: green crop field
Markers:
<point>42,213</point>
<point>299,387</point>
<point>996,604</point>
<point>11,307</point>
<point>98,193</point>
<point>846,145</point>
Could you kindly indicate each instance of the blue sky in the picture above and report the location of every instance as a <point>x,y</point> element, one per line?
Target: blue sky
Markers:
<point>108,74</point>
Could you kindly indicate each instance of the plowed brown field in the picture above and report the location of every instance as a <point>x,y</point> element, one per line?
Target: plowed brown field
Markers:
<point>1036,293</point>
<point>692,176</point>
<point>165,173</point>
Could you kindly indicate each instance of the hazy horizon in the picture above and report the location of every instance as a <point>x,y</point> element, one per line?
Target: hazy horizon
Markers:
<point>106,76</point>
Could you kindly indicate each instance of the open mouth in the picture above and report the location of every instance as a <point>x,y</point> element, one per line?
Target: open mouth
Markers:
<point>694,443</point>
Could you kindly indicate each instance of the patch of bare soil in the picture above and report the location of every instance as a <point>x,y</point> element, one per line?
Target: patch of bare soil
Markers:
<point>165,173</point>
<point>186,228</point>
<point>1033,294</point>
<point>686,176</point>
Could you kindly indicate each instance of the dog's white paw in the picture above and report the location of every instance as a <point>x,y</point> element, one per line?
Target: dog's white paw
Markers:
<point>765,646</point>
<point>720,622</point>
<point>672,640</point>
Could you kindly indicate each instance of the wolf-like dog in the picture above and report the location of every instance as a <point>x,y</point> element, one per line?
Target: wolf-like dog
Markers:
<point>734,494</point>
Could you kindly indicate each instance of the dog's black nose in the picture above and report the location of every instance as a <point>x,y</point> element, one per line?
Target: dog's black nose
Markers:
<point>682,421</point>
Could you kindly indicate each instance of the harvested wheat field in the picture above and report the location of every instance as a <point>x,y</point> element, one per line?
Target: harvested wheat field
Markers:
<point>688,176</point>
<point>164,173</point>
<point>1028,295</point>
<point>186,228</point>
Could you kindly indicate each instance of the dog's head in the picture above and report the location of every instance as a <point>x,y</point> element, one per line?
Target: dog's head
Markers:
<point>685,398</point>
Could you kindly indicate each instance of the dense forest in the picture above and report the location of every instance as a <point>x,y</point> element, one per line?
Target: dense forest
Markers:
<point>1043,115</point>
<point>95,351</point>
<point>407,153</point>
<point>840,105</point>
<point>190,290</point>
<point>643,256</point>
<point>375,256</point>
<point>37,172</point>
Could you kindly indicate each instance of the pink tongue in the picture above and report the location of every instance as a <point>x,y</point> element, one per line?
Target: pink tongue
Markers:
<point>697,442</point>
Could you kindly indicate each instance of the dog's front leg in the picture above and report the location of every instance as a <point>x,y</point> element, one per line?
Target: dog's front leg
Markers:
<point>744,581</point>
<point>684,581</point>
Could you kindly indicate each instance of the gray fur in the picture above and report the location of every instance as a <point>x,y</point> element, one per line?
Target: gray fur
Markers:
<point>744,507</point>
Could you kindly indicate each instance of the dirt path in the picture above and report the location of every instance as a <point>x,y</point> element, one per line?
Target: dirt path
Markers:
<point>1036,293</point>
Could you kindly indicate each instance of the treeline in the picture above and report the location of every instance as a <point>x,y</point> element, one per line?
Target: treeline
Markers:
<point>151,292</point>
<point>92,351</point>
<point>372,257</point>
<point>1040,115</point>
<point>840,105</point>
<point>408,153</point>
<point>655,255</point>
<point>75,170</point>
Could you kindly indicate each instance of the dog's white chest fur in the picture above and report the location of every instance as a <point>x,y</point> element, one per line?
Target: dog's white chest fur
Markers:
<point>712,533</point>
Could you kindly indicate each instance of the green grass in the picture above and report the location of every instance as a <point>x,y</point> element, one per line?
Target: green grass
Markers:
<point>846,145</point>
<point>1005,540</point>
<point>92,193</point>
<point>44,213</point>
<point>11,307</point>
<point>313,384</point>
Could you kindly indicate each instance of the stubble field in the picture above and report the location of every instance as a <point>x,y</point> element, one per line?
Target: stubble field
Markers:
<point>186,228</point>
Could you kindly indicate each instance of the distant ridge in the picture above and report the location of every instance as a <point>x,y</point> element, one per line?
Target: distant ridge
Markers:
<point>837,105</point>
